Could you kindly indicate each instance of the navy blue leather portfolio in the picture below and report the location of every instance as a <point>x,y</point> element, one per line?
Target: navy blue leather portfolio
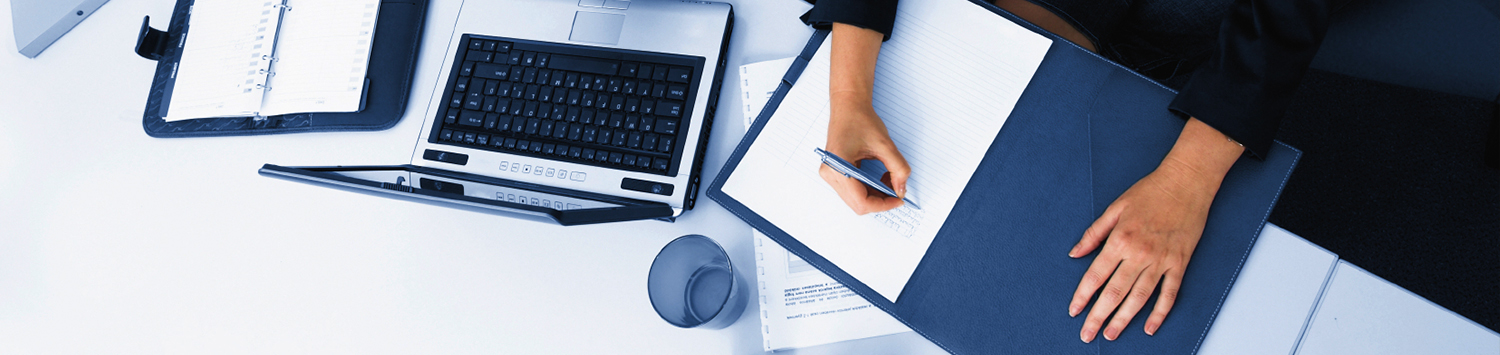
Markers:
<point>997,278</point>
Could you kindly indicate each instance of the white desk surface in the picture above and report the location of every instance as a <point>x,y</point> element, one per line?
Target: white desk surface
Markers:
<point>115,242</point>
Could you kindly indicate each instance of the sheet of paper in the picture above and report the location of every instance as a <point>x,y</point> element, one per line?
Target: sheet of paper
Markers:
<point>758,81</point>
<point>224,59</point>
<point>802,307</point>
<point>322,54</point>
<point>944,85</point>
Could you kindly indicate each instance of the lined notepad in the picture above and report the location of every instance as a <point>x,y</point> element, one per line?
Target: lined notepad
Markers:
<point>943,107</point>
<point>272,57</point>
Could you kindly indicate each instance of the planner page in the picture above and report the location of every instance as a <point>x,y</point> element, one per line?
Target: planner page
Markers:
<point>944,84</point>
<point>321,57</point>
<point>225,58</point>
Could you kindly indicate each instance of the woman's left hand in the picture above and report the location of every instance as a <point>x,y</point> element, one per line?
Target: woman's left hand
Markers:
<point>1149,233</point>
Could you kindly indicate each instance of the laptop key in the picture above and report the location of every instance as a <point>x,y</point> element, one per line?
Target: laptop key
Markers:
<point>517,124</point>
<point>545,130</point>
<point>628,159</point>
<point>619,138</point>
<point>669,109</point>
<point>471,118</point>
<point>532,125</point>
<point>648,141</point>
<point>529,76</point>
<point>491,87</point>
<point>616,120</point>
<point>676,92</point>
<point>665,145</point>
<point>503,124</point>
<point>490,120</point>
<point>666,126</point>
<point>451,116</point>
<point>679,74</point>
<point>575,132</point>
<point>589,132</point>
<point>661,164</point>
<point>644,72</point>
<point>515,73</point>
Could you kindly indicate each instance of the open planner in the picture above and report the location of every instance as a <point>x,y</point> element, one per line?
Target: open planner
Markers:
<point>234,67</point>
<point>1017,140</point>
<point>259,58</point>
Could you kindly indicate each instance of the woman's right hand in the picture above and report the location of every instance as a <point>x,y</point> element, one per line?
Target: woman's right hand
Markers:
<point>855,132</point>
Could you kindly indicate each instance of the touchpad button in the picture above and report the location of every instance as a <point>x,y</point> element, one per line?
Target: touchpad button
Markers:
<point>597,27</point>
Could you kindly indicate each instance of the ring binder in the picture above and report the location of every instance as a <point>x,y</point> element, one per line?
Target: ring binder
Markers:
<point>387,85</point>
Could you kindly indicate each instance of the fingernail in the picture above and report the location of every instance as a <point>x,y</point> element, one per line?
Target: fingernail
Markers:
<point>1111,334</point>
<point>1151,329</point>
<point>1073,311</point>
<point>1086,335</point>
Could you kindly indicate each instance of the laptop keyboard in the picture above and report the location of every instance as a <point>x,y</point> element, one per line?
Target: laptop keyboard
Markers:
<point>609,108</point>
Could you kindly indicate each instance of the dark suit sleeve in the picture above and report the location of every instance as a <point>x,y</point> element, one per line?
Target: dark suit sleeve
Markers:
<point>878,15</point>
<point>1264,48</point>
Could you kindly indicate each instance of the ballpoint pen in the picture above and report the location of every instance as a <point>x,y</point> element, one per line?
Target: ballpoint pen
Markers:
<point>843,167</point>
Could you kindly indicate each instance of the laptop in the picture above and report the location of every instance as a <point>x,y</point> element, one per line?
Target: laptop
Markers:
<point>38,23</point>
<point>573,111</point>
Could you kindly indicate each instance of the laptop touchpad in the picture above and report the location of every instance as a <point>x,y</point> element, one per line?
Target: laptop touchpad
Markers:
<point>597,27</point>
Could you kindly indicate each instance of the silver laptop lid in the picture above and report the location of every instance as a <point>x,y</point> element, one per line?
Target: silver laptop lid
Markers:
<point>690,28</point>
<point>38,23</point>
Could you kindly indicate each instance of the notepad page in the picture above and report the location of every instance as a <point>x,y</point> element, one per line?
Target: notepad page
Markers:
<point>944,85</point>
<point>322,57</point>
<point>225,57</point>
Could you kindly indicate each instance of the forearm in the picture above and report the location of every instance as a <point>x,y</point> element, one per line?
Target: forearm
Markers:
<point>851,78</point>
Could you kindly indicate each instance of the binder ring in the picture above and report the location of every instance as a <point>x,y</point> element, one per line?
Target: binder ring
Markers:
<point>268,57</point>
<point>284,7</point>
<point>263,87</point>
<point>266,72</point>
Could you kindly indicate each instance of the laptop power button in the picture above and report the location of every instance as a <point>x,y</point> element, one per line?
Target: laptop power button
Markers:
<point>646,186</point>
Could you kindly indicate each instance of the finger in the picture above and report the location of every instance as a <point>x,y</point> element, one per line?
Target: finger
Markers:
<point>1139,294</point>
<point>860,198</point>
<point>1119,285</point>
<point>896,165</point>
<point>1171,282</point>
<point>1096,275</point>
<point>1094,235</point>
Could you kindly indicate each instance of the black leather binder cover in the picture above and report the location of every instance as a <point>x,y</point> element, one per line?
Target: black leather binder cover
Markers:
<point>398,34</point>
